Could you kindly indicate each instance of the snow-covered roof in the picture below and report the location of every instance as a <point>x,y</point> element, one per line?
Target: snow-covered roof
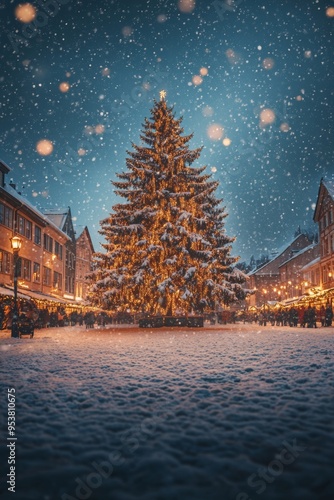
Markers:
<point>57,215</point>
<point>329,185</point>
<point>300,252</point>
<point>278,252</point>
<point>311,264</point>
<point>25,203</point>
<point>326,184</point>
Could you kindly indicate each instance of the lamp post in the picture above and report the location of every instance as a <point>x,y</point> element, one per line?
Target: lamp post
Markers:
<point>16,243</point>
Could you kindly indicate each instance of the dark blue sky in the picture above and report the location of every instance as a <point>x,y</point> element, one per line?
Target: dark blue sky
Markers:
<point>113,58</point>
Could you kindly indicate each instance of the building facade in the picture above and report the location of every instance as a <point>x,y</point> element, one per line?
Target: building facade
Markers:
<point>47,263</point>
<point>324,216</point>
<point>265,281</point>
<point>84,258</point>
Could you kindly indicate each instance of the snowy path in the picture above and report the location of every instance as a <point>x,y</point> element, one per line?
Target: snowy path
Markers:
<point>234,412</point>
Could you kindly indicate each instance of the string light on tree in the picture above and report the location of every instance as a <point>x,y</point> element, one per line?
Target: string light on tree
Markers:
<point>163,95</point>
<point>166,247</point>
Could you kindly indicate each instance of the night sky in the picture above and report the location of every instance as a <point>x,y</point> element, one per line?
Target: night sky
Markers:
<point>252,79</point>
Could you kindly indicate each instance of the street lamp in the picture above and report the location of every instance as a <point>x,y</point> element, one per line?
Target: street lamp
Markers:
<point>16,243</point>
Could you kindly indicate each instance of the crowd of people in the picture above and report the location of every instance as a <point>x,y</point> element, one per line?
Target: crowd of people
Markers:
<point>306,317</point>
<point>50,318</point>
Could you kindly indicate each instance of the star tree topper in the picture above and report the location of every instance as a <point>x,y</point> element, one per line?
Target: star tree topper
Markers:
<point>163,94</point>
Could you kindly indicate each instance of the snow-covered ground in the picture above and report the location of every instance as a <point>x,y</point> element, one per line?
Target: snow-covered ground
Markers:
<point>233,412</point>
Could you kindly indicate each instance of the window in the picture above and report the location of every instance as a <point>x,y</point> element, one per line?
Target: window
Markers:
<point>330,217</point>
<point>69,285</point>
<point>28,229</point>
<point>59,250</point>
<point>20,224</point>
<point>57,280</point>
<point>46,276</point>
<point>25,269</point>
<point>332,243</point>
<point>6,215</point>
<point>48,243</point>
<point>70,259</point>
<point>36,277</point>
<point>4,262</point>
<point>38,235</point>
<point>24,227</point>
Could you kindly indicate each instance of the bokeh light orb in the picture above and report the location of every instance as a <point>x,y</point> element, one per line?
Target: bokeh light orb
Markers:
<point>44,147</point>
<point>207,111</point>
<point>268,63</point>
<point>186,6</point>
<point>197,80</point>
<point>215,132</point>
<point>127,31</point>
<point>227,142</point>
<point>267,116</point>
<point>204,71</point>
<point>25,12</point>
<point>330,12</point>
<point>162,18</point>
<point>284,127</point>
<point>99,129</point>
<point>64,87</point>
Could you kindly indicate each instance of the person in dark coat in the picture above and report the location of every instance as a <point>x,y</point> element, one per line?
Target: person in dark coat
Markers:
<point>328,316</point>
<point>311,317</point>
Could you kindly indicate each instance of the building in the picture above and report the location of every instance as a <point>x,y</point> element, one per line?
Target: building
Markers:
<point>84,257</point>
<point>292,273</point>
<point>62,218</point>
<point>266,280</point>
<point>47,265</point>
<point>324,216</point>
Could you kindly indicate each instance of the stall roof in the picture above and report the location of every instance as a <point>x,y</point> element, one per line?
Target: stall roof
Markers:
<point>10,292</point>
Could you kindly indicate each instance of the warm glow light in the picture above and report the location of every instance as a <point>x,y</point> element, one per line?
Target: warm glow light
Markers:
<point>99,129</point>
<point>330,12</point>
<point>25,12</point>
<point>226,141</point>
<point>64,87</point>
<point>215,132</point>
<point>197,80</point>
<point>232,56</point>
<point>203,71</point>
<point>16,243</point>
<point>284,127</point>
<point>81,152</point>
<point>268,63</point>
<point>44,147</point>
<point>162,94</point>
<point>267,117</point>
<point>186,6</point>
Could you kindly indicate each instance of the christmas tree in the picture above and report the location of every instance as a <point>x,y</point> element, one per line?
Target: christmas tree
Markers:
<point>166,247</point>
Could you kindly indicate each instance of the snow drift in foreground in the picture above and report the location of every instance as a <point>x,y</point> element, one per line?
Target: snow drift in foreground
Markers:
<point>221,413</point>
